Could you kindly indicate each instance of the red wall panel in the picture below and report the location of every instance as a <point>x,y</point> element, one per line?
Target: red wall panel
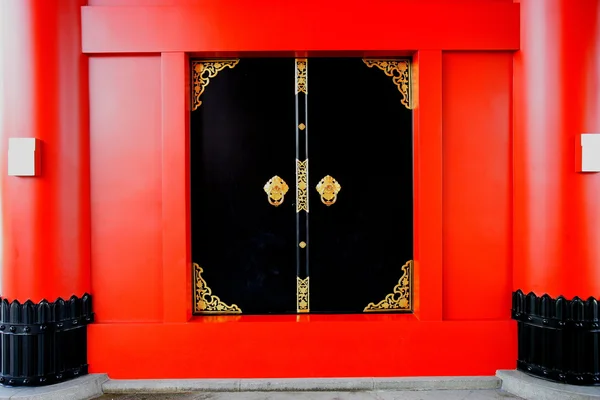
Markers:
<point>477,185</point>
<point>126,168</point>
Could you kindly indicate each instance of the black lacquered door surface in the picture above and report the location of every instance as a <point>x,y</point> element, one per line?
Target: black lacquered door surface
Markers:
<point>242,135</point>
<point>361,135</point>
<point>334,134</point>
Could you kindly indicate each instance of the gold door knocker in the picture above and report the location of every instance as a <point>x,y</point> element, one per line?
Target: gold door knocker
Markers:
<point>276,189</point>
<point>328,188</point>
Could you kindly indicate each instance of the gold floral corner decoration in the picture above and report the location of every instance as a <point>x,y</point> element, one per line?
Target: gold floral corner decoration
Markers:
<point>203,71</point>
<point>301,78</point>
<point>301,185</point>
<point>302,293</point>
<point>400,299</point>
<point>206,302</point>
<point>400,71</point>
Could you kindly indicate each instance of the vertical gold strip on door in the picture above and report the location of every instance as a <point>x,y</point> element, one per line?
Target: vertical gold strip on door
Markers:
<point>302,203</point>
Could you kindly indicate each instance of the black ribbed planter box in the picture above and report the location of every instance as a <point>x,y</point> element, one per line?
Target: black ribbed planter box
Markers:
<point>559,339</point>
<point>44,343</point>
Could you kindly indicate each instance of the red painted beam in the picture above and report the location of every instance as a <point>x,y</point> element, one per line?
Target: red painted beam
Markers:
<point>258,26</point>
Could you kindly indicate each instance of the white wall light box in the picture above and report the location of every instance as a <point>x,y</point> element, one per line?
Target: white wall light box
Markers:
<point>24,157</point>
<point>588,152</point>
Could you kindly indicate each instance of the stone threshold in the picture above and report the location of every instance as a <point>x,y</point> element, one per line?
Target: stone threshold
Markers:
<point>300,384</point>
<point>511,381</point>
<point>95,385</point>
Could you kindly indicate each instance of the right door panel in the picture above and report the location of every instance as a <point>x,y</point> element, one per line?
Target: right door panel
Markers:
<point>361,136</point>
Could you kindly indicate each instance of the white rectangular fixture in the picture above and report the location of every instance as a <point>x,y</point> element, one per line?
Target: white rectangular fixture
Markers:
<point>23,157</point>
<point>588,152</point>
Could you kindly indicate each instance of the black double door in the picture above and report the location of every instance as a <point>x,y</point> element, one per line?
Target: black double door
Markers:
<point>301,181</point>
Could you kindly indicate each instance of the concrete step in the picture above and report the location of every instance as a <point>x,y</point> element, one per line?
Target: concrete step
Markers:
<point>529,387</point>
<point>487,387</point>
<point>306,384</point>
<point>95,385</point>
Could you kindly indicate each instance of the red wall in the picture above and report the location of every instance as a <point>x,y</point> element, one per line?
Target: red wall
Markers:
<point>140,210</point>
<point>125,138</point>
<point>477,182</point>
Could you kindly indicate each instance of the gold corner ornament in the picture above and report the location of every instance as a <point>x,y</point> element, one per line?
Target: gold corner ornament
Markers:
<point>400,71</point>
<point>302,185</point>
<point>276,188</point>
<point>301,78</point>
<point>328,188</point>
<point>206,302</point>
<point>302,293</point>
<point>400,298</point>
<point>203,71</point>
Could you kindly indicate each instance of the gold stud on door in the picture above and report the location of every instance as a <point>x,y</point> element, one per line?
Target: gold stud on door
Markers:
<point>328,188</point>
<point>276,188</point>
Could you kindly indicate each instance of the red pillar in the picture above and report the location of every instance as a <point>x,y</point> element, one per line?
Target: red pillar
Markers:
<point>556,209</point>
<point>557,97</point>
<point>45,219</point>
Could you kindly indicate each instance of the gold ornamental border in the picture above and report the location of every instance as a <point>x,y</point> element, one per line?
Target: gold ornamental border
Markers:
<point>400,70</point>
<point>202,72</point>
<point>207,303</point>
<point>401,297</point>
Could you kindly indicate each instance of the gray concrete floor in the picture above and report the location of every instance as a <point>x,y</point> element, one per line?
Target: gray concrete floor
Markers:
<point>373,395</point>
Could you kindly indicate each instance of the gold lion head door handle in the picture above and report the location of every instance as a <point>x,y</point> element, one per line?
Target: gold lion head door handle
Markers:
<point>328,188</point>
<point>276,189</point>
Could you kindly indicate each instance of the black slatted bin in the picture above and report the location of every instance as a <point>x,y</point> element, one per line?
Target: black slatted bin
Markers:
<point>44,343</point>
<point>558,339</point>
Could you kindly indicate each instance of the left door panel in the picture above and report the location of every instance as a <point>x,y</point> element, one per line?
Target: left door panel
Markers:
<point>242,135</point>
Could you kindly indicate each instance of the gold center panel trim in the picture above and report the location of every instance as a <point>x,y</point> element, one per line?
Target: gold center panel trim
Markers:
<point>301,76</point>
<point>302,295</point>
<point>302,185</point>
